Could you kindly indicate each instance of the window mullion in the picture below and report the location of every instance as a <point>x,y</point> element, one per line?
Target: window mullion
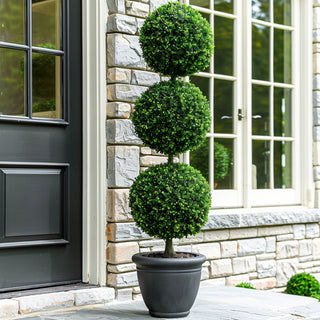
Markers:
<point>29,58</point>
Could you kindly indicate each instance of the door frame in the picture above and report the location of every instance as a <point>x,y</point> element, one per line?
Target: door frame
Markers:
<point>94,15</point>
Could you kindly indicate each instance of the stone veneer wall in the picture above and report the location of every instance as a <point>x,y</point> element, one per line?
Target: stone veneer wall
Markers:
<point>265,248</point>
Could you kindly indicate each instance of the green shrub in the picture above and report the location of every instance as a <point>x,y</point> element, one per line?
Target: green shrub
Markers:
<point>176,40</point>
<point>172,117</point>
<point>303,284</point>
<point>245,285</point>
<point>222,161</point>
<point>170,200</point>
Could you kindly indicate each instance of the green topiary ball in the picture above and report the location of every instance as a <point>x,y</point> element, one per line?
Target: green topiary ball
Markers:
<point>176,40</point>
<point>172,117</point>
<point>170,200</point>
<point>303,284</point>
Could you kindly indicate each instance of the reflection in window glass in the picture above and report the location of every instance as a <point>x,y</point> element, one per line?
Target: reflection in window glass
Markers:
<point>223,5</point>
<point>260,52</point>
<point>223,106</point>
<point>12,22</point>
<point>282,56</point>
<point>12,71</point>
<point>282,112</point>
<point>46,86</point>
<point>260,164</point>
<point>260,110</point>
<point>261,10</point>
<point>203,84</point>
<point>46,23</point>
<point>200,3</point>
<point>223,37</point>
<point>199,158</point>
<point>282,164</point>
<point>223,163</point>
<point>282,11</point>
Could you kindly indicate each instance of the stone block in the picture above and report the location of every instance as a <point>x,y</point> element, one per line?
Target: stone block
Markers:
<point>316,173</point>
<point>121,23</point>
<point>299,231</point>
<point>316,60</point>
<point>118,75</point>
<point>123,165</point>
<point>205,273</point>
<point>316,86</point>
<point>124,294</point>
<point>264,284</point>
<point>145,150</point>
<point>9,309</point>
<point>316,155</point>
<point>287,249</point>
<point>285,237</point>
<point>266,268</point>
<point>118,209</point>
<point>306,259</point>
<point>120,268</point>
<point>220,268</point>
<point>316,248</point>
<point>148,161</point>
<point>270,244</point>
<point>121,131</point>
<point>122,280</point>
<point>210,250</point>
<point>93,296</point>
<point>222,221</point>
<point>312,230</point>
<point>215,235</point>
<point>118,110</point>
<point>316,18</point>
<point>116,6</point>
<point>306,265</point>
<point>124,92</point>
<point>285,270</point>
<point>144,78</point>
<point>192,239</point>
<point>45,302</point>
<point>266,256</point>
<point>125,232</point>
<point>151,243</point>
<point>234,280</point>
<point>243,233</point>
<point>274,231</point>
<point>253,275</point>
<point>228,249</point>
<point>251,246</point>
<point>316,100</point>
<point>124,51</point>
<point>316,133</point>
<point>121,252</point>
<point>137,9</point>
<point>139,24</point>
<point>305,247</point>
<point>244,265</point>
<point>154,4</point>
<point>316,35</point>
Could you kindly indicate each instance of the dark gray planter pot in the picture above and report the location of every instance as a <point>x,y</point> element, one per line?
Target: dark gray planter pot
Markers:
<point>169,286</point>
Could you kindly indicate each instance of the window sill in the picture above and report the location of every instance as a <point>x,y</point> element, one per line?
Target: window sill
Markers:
<point>255,217</point>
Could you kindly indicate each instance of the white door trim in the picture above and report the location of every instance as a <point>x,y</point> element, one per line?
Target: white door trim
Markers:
<point>94,15</point>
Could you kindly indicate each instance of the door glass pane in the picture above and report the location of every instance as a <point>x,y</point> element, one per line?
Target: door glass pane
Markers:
<point>200,3</point>
<point>12,21</point>
<point>260,52</point>
<point>282,112</point>
<point>223,52</point>
<point>12,82</point>
<point>46,86</point>
<point>46,23</point>
<point>282,11</point>
<point>260,110</point>
<point>282,164</point>
<point>223,163</point>
<point>261,10</point>
<point>223,5</point>
<point>203,84</point>
<point>282,56</point>
<point>260,164</point>
<point>223,106</point>
<point>199,158</point>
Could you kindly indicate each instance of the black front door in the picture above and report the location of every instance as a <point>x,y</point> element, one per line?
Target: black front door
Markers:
<point>40,143</point>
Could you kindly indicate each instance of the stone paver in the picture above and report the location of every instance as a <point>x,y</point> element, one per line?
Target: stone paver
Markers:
<point>218,303</point>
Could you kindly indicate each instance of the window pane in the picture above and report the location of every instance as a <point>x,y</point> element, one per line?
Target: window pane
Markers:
<point>12,71</point>
<point>260,52</point>
<point>200,3</point>
<point>223,52</point>
<point>203,84</point>
<point>46,23</point>
<point>282,112</point>
<point>261,10</point>
<point>199,158</point>
<point>282,11</point>
<point>46,86</point>
<point>260,110</point>
<point>282,164</point>
<point>282,56</point>
<point>12,22</point>
<point>223,106</point>
<point>260,164</point>
<point>223,5</point>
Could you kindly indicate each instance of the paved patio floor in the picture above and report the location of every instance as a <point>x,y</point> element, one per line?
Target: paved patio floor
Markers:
<point>214,303</point>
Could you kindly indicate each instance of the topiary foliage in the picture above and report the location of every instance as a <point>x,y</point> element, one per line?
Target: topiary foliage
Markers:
<point>303,284</point>
<point>170,200</point>
<point>245,285</point>
<point>221,161</point>
<point>172,117</point>
<point>176,40</point>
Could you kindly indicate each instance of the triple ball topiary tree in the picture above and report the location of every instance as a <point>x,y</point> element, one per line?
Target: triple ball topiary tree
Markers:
<point>172,200</point>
